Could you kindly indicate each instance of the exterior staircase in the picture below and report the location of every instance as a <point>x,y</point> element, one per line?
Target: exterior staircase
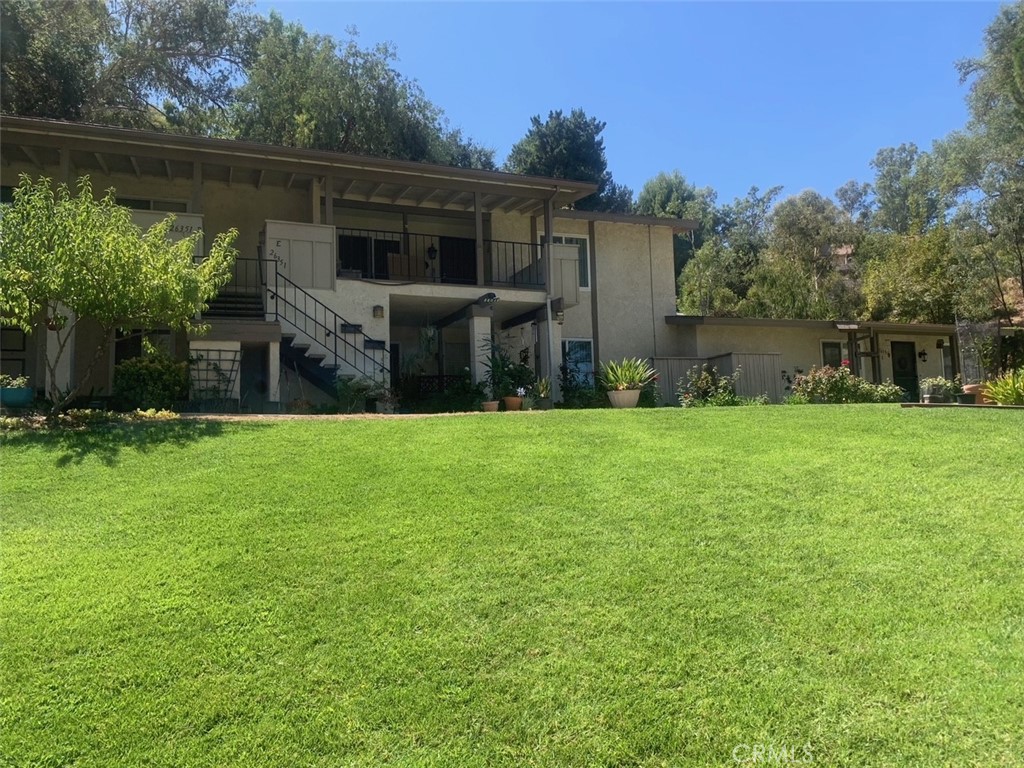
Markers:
<point>316,342</point>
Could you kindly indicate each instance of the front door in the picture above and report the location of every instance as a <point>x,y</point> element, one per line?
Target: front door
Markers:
<point>904,368</point>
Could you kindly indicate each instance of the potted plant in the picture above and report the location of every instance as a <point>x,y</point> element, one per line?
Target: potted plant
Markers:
<point>15,391</point>
<point>939,390</point>
<point>543,390</point>
<point>624,380</point>
<point>386,399</point>
<point>514,402</point>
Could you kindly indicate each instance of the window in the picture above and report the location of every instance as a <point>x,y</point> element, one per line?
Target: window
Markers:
<point>128,344</point>
<point>6,194</point>
<point>581,244</point>
<point>833,353</point>
<point>578,359</point>
<point>138,204</point>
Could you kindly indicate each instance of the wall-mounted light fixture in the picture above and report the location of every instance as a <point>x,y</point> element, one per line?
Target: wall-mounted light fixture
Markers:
<point>923,356</point>
<point>378,311</point>
<point>487,299</point>
<point>432,252</point>
<point>560,317</point>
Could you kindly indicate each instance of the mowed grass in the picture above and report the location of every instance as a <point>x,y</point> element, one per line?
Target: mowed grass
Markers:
<point>568,588</point>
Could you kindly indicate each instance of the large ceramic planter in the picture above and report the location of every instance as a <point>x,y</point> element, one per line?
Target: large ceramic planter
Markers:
<point>489,406</point>
<point>544,404</point>
<point>976,390</point>
<point>624,398</point>
<point>16,397</point>
<point>513,403</point>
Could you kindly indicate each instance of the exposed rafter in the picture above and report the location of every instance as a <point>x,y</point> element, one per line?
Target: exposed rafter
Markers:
<point>344,185</point>
<point>135,166</point>
<point>231,174</point>
<point>291,180</point>
<point>32,156</point>
<point>259,179</point>
<point>374,191</point>
<point>400,195</point>
<point>451,198</point>
<point>167,167</point>
<point>102,163</point>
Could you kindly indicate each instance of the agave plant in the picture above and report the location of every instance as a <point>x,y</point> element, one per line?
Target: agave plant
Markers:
<point>1008,389</point>
<point>631,373</point>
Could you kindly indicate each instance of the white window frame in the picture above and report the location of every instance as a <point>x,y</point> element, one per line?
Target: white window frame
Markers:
<point>586,255</point>
<point>844,350</point>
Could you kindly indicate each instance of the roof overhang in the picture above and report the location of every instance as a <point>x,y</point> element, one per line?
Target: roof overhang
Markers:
<point>823,325</point>
<point>677,225</point>
<point>97,148</point>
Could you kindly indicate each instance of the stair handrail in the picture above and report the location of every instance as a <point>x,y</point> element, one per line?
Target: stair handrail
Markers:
<point>377,367</point>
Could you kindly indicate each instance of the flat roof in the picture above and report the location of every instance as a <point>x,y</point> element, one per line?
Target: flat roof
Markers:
<point>765,322</point>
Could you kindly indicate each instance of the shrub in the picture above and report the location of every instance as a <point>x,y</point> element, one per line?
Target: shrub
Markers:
<point>352,393</point>
<point>153,381</point>
<point>838,385</point>
<point>1008,389</point>
<point>939,387</point>
<point>13,382</point>
<point>706,386</point>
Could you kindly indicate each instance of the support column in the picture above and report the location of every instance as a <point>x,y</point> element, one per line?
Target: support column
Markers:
<point>314,199</point>
<point>549,366</point>
<point>853,350</point>
<point>479,321</point>
<point>954,355</point>
<point>478,223</point>
<point>196,204</point>
<point>548,361</point>
<point>62,378</point>
<point>274,372</point>
<point>329,200</point>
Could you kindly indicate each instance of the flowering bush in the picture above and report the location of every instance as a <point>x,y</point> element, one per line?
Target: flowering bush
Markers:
<point>839,385</point>
<point>706,386</point>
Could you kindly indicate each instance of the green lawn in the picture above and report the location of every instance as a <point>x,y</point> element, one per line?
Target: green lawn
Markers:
<point>566,588</point>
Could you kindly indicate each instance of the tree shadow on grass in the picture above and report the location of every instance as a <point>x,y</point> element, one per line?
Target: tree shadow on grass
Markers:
<point>106,442</point>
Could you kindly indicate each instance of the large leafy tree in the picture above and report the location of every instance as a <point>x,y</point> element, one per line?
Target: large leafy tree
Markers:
<point>141,63</point>
<point>309,90</point>
<point>670,195</point>
<point>570,147</point>
<point>69,259</point>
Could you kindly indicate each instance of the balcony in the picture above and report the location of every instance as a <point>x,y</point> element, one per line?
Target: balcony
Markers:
<point>421,258</point>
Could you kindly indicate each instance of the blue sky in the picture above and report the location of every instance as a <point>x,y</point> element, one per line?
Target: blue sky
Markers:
<point>731,94</point>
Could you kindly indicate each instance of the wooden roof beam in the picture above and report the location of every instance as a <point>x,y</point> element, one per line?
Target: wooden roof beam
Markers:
<point>167,167</point>
<point>135,166</point>
<point>259,179</point>
<point>400,195</point>
<point>451,198</point>
<point>344,186</point>
<point>291,180</point>
<point>102,163</point>
<point>32,156</point>
<point>374,191</point>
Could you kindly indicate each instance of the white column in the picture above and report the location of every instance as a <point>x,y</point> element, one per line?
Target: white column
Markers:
<point>479,340</point>
<point>549,366</point>
<point>274,372</point>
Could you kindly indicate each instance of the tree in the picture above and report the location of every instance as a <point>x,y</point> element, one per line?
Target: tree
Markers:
<point>50,56</point>
<point>855,201</point>
<point>307,90</point>
<point>570,147</point>
<point>670,195</point>
<point>912,278</point>
<point>908,197</point>
<point>705,282</point>
<point>75,259</point>
<point>127,62</point>
<point>985,163</point>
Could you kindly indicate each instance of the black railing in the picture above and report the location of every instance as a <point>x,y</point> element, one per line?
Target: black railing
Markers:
<point>410,256</point>
<point>246,278</point>
<point>516,265</point>
<point>322,326</point>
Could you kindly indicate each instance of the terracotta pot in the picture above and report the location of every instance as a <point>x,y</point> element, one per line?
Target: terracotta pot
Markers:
<point>978,390</point>
<point>489,405</point>
<point>624,398</point>
<point>513,403</point>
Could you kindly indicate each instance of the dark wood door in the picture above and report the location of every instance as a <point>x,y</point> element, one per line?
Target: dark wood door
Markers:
<point>904,368</point>
<point>458,260</point>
